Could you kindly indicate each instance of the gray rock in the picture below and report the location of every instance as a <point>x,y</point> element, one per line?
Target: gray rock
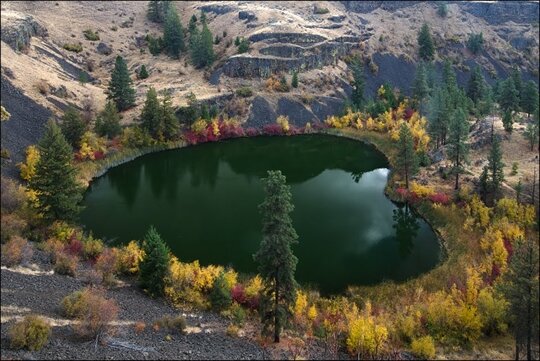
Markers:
<point>261,113</point>
<point>18,28</point>
<point>60,92</point>
<point>218,9</point>
<point>247,15</point>
<point>298,114</point>
<point>104,49</point>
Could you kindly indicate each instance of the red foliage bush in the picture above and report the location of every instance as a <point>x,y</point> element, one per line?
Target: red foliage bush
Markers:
<point>408,113</point>
<point>403,193</point>
<point>238,294</point>
<point>272,129</point>
<point>252,132</point>
<point>99,155</point>
<point>440,198</point>
<point>508,247</point>
<point>495,273</point>
<point>75,247</point>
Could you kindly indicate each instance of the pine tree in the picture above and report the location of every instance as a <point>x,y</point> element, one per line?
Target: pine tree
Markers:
<point>476,86</point>
<point>449,76</point>
<point>120,87</point>
<point>520,289</point>
<point>426,50</point>
<point>150,115</point>
<point>475,43</point>
<point>518,83</point>
<point>407,160</point>
<point>442,10</point>
<point>458,149</point>
<point>420,88</point>
<point>243,46</point>
<point>529,99</point>
<point>483,182</point>
<point>358,84</point>
<point>173,34</point>
<point>438,115</point>
<point>294,81</point>
<point>168,118</point>
<point>203,17</point>
<point>531,134</point>
<point>220,295</point>
<point>143,73</point>
<point>495,166</point>
<point>508,95</point>
<point>205,52</point>
<point>277,263</point>
<point>192,23</point>
<point>237,41</point>
<point>58,194</point>
<point>155,264</point>
<point>108,122</point>
<point>153,10</point>
<point>507,120</point>
<point>73,127</point>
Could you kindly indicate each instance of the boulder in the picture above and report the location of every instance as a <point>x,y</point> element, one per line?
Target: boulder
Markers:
<point>247,15</point>
<point>17,29</point>
<point>104,49</point>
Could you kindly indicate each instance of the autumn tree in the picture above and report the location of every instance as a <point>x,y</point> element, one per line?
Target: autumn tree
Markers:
<point>121,86</point>
<point>58,194</point>
<point>155,263</point>
<point>173,33</point>
<point>520,288</point>
<point>425,42</point>
<point>407,160</point>
<point>277,263</point>
<point>73,127</point>
<point>458,149</point>
<point>108,122</point>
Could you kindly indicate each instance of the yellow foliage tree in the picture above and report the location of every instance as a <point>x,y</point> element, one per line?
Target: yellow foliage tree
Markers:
<point>199,126</point>
<point>215,128</point>
<point>365,337</point>
<point>28,168</point>
<point>477,213</point>
<point>300,305</point>
<point>312,313</point>
<point>283,122</point>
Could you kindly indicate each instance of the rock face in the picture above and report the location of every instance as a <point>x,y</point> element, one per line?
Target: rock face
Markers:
<point>294,52</point>
<point>502,11</point>
<point>247,15</point>
<point>218,9</point>
<point>369,6</point>
<point>18,28</point>
<point>104,49</point>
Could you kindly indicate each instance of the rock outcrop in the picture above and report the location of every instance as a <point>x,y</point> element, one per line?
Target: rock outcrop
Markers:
<point>18,29</point>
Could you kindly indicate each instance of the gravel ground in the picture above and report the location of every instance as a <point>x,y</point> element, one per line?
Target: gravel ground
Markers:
<point>35,288</point>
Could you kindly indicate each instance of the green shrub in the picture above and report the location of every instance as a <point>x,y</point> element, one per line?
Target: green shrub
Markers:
<point>423,347</point>
<point>244,92</point>
<point>515,167</point>
<point>171,323</point>
<point>77,48</point>
<point>243,46</point>
<point>238,314</point>
<point>32,333</point>
<point>89,34</point>
<point>475,43</point>
<point>5,154</point>
<point>75,304</point>
<point>92,247</point>
<point>320,10</point>
<point>220,295</point>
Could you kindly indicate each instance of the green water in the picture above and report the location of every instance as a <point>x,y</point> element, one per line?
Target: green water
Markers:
<point>203,201</point>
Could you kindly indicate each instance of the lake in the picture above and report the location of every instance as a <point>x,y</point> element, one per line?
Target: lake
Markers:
<point>203,201</point>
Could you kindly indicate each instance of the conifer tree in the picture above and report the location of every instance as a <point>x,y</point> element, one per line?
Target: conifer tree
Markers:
<point>294,81</point>
<point>442,10</point>
<point>150,115</point>
<point>420,88</point>
<point>58,194</point>
<point>155,264</point>
<point>407,160</point>
<point>438,115</point>
<point>168,118</point>
<point>508,95</point>
<point>173,33</point>
<point>531,133</point>
<point>277,263</point>
<point>495,166</point>
<point>484,184</point>
<point>153,10</point>
<point>108,122</point>
<point>220,295</point>
<point>358,84</point>
<point>458,149</point>
<point>143,73</point>
<point>120,87</point>
<point>243,46</point>
<point>520,289</point>
<point>449,76</point>
<point>73,127</point>
<point>425,42</point>
<point>507,120</point>
<point>476,86</point>
<point>529,99</point>
<point>518,83</point>
<point>203,51</point>
<point>192,23</point>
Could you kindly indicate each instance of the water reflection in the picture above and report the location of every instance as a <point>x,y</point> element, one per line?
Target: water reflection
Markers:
<point>406,226</point>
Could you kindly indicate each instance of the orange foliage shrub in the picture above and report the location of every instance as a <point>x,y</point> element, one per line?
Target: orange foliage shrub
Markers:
<point>15,251</point>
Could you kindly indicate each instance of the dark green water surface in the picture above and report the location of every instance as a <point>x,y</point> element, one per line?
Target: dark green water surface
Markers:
<point>203,201</point>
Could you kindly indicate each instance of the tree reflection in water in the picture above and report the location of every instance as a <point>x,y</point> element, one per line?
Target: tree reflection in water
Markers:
<point>406,227</point>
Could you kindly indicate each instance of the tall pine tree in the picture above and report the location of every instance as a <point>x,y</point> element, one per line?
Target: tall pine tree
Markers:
<point>407,160</point>
<point>458,149</point>
<point>277,263</point>
<point>108,122</point>
<point>425,42</point>
<point>151,115</point>
<point>508,95</point>
<point>155,263</point>
<point>518,83</point>
<point>58,194</point>
<point>73,127</point>
<point>170,122</point>
<point>495,167</point>
<point>476,86</point>
<point>529,99</point>
<point>173,33</point>
<point>420,88</point>
<point>120,88</point>
<point>358,84</point>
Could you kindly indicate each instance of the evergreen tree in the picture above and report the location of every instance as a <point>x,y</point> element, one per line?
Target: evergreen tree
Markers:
<point>529,99</point>
<point>150,115</point>
<point>484,184</point>
<point>192,23</point>
<point>508,96</point>
<point>143,73</point>
<point>476,86</point>
<point>531,133</point>
<point>475,43</point>
<point>485,105</point>
<point>358,84</point>
<point>155,263</point>
<point>173,34</point>
<point>58,194</point>
<point>154,10</point>
<point>155,45</point>
<point>420,88</point>
<point>407,160</point>
<point>203,17</point>
<point>220,295</point>
<point>439,111</point>
<point>426,50</point>
<point>168,118</point>
<point>518,83</point>
<point>458,149</point>
<point>120,87</point>
<point>520,289</point>
<point>73,127</point>
<point>507,120</point>
<point>294,81</point>
<point>277,263</point>
<point>243,46</point>
<point>495,167</point>
<point>449,76</point>
<point>108,122</point>
<point>442,10</point>
<point>237,41</point>
<point>205,48</point>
